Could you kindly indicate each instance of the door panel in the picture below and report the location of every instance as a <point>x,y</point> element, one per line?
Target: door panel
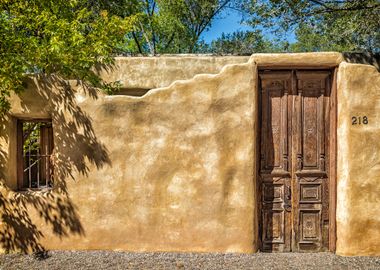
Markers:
<point>276,215</point>
<point>310,203</point>
<point>274,162</point>
<point>274,156</point>
<point>293,160</point>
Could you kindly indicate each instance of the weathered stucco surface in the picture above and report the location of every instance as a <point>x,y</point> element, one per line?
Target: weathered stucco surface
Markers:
<point>154,72</point>
<point>287,60</point>
<point>358,187</point>
<point>172,170</point>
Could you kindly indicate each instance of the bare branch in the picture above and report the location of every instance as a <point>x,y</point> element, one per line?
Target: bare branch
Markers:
<point>137,42</point>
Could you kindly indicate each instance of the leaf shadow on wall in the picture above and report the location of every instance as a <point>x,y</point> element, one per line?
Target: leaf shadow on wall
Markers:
<point>363,58</point>
<point>75,148</point>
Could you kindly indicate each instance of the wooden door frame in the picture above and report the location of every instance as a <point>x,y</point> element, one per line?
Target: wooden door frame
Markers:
<point>332,149</point>
<point>333,160</point>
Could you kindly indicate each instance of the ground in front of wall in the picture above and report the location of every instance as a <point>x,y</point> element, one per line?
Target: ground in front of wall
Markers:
<point>124,260</point>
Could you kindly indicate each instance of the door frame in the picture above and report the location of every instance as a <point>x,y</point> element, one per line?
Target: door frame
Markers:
<point>332,148</point>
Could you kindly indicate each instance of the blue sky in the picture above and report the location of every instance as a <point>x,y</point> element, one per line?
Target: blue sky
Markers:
<point>227,22</point>
<point>230,21</point>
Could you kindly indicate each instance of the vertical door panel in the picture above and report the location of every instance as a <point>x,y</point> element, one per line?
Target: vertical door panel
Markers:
<point>274,162</point>
<point>310,207</point>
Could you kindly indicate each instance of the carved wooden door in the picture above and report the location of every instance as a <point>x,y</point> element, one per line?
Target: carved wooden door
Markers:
<point>294,160</point>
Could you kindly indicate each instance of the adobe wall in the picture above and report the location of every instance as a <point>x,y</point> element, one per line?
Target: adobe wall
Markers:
<point>358,187</point>
<point>169,171</point>
<point>161,71</point>
<point>174,170</point>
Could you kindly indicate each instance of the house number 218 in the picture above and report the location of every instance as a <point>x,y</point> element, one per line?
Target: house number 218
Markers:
<point>359,120</point>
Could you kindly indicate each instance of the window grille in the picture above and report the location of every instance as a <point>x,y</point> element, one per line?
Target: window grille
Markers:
<point>35,147</point>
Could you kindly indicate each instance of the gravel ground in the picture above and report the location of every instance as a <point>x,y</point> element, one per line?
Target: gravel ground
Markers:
<point>122,260</point>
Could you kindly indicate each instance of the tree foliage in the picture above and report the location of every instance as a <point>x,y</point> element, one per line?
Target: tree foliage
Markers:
<point>197,17</point>
<point>241,43</point>
<point>62,37</point>
<point>322,24</point>
<point>158,29</point>
<point>173,26</point>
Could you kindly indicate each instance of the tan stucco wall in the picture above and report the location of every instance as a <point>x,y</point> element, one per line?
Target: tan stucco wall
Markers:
<point>358,187</point>
<point>297,60</point>
<point>170,171</point>
<point>174,170</point>
<point>154,72</point>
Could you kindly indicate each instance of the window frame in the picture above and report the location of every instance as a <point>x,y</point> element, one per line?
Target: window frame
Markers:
<point>20,152</point>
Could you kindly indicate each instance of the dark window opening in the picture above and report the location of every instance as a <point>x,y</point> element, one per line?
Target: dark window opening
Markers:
<point>34,151</point>
<point>134,92</point>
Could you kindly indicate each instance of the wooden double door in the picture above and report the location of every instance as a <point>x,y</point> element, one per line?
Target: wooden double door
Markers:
<point>294,160</point>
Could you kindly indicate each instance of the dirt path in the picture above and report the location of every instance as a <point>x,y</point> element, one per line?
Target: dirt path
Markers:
<point>123,260</point>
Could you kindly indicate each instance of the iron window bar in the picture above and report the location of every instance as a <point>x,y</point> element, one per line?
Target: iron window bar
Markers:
<point>36,154</point>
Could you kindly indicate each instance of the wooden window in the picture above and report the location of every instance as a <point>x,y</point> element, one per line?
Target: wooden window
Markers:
<point>34,150</point>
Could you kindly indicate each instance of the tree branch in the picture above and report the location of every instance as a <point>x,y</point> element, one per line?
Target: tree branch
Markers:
<point>137,42</point>
<point>352,8</point>
<point>151,49</point>
<point>169,42</point>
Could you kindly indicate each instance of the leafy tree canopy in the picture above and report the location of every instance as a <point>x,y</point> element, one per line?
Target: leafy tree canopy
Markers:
<point>342,25</point>
<point>173,26</point>
<point>62,37</point>
<point>241,43</point>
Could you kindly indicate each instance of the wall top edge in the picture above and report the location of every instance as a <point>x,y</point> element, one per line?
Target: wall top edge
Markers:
<point>259,56</point>
<point>329,59</point>
<point>324,59</point>
<point>171,56</point>
<point>308,59</point>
